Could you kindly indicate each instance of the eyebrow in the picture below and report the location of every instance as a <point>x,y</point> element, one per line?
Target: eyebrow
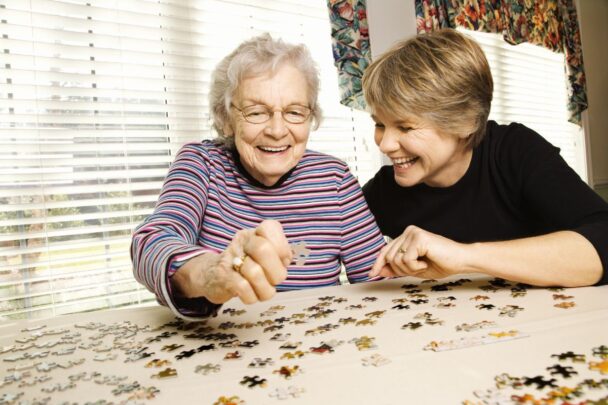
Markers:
<point>260,102</point>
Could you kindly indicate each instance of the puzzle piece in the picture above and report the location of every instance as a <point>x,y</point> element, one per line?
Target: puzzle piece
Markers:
<point>602,366</point>
<point>365,322</point>
<point>565,372</point>
<point>300,253</point>
<point>186,353</point>
<point>260,363</point>
<point>505,380</point>
<point>281,337</point>
<point>249,344</point>
<point>288,372</point>
<point>253,381</point>
<point>290,345</point>
<point>166,373</point>
<point>375,314</point>
<point>233,355</point>
<point>158,363</point>
<point>601,351</point>
<point>364,343</point>
<point>290,392</point>
<point>207,368</point>
<point>540,382</point>
<point>233,400</point>
<point>292,355</point>
<point>375,360</point>
<point>576,358</point>
<point>565,305</point>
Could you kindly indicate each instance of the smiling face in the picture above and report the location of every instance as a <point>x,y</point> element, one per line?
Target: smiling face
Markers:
<point>271,149</point>
<point>420,153</point>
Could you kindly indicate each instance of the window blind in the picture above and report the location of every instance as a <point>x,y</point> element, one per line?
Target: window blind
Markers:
<point>96,97</point>
<point>530,88</point>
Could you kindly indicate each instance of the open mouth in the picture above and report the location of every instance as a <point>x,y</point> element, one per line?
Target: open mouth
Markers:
<point>404,163</point>
<point>273,149</point>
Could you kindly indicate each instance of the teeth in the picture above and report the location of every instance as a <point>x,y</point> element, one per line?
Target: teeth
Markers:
<point>402,161</point>
<point>271,149</point>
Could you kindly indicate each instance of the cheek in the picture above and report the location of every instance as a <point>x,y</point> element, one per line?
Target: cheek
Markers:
<point>378,136</point>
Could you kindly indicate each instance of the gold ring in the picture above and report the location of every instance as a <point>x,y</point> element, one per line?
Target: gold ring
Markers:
<point>238,262</point>
<point>402,250</point>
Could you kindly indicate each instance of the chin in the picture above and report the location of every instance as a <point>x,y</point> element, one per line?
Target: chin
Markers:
<point>402,182</point>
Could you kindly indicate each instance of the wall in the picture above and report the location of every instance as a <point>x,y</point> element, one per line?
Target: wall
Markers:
<point>593,18</point>
<point>389,21</point>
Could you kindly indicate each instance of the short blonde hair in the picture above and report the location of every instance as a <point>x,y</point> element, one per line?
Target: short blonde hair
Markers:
<point>442,77</point>
<point>258,56</point>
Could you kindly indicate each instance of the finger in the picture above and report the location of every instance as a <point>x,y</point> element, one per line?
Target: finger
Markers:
<point>379,263</point>
<point>244,291</point>
<point>264,254</point>
<point>392,249</point>
<point>416,266</point>
<point>256,277</point>
<point>386,271</point>
<point>272,231</point>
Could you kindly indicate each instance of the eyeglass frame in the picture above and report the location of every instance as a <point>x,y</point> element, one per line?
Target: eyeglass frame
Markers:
<point>272,112</point>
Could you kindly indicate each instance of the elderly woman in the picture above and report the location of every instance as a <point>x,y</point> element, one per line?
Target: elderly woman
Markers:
<point>254,211</point>
<point>465,194</point>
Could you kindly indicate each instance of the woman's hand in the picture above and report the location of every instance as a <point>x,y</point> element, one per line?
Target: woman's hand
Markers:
<point>251,266</point>
<point>421,254</point>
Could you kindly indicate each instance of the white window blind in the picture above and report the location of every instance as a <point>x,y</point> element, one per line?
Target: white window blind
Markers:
<point>530,88</point>
<point>96,97</point>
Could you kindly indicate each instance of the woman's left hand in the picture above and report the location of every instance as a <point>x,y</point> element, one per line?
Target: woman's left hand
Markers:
<point>422,254</point>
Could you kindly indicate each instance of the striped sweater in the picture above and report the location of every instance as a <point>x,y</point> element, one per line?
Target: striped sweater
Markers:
<point>208,196</point>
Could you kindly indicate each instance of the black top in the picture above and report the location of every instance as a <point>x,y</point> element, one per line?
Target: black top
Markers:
<point>517,185</point>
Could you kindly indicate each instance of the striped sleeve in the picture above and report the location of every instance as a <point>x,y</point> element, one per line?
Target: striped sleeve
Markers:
<point>168,237</point>
<point>361,238</point>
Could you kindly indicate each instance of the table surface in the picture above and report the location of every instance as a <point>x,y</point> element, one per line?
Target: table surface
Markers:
<point>121,354</point>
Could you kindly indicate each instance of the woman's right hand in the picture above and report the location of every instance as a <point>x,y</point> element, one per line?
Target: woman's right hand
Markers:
<point>263,254</point>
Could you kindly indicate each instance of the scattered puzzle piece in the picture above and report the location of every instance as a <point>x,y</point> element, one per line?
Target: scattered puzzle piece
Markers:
<point>166,373</point>
<point>286,393</point>
<point>602,366</point>
<point>375,360</point>
<point>253,381</point>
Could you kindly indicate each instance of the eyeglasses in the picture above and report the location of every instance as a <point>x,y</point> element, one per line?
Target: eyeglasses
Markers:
<point>259,114</point>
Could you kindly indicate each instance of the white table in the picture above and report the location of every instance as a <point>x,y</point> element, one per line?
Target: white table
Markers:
<point>413,375</point>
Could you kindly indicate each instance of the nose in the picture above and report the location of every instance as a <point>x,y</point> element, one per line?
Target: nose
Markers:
<point>387,140</point>
<point>276,126</point>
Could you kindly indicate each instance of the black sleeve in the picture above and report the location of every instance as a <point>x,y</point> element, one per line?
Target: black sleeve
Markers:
<point>554,192</point>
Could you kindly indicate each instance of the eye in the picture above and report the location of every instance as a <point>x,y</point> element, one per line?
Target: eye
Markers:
<point>255,111</point>
<point>295,113</point>
<point>379,125</point>
<point>403,129</point>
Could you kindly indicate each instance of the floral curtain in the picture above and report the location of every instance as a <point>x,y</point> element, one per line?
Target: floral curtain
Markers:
<point>549,23</point>
<point>350,43</point>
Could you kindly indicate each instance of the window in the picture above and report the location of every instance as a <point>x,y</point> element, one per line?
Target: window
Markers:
<point>530,88</point>
<point>96,97</point>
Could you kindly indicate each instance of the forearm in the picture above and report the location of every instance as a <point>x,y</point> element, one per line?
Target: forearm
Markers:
<point>563,258</point>
<point>192,279</point>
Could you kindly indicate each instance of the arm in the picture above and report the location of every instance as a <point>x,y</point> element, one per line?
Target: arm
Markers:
<point>557,259</point>
<point>265,255</point>
<point>188,278</point>
<point>361,238</point>
<point>570,219</point>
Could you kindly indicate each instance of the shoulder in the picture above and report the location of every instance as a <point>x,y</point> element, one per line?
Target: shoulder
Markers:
<point>383,179</point>
<point>208,149</point>
<point>207,153</point>
<point>516,136</point>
